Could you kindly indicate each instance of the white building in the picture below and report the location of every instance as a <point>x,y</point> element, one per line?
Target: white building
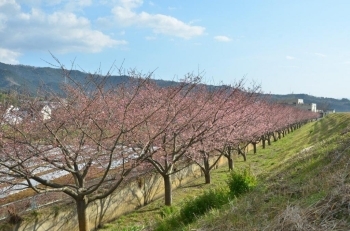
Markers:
<point>12,115</point>
<point>299,103</point>
<point>46,112</point>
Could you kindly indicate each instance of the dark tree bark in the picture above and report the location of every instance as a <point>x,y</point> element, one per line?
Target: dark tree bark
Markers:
<point>82,216</point>
<point>206,170</point>
<point>167,190</point>
<point>254,147</point>
<point>207,177</point>
<point>242,152</point>
<point>263,141</point>
<point>274,137</point>
<point>230,163</point>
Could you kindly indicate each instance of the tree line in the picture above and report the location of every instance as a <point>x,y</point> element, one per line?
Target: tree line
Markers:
<point>99,136</point>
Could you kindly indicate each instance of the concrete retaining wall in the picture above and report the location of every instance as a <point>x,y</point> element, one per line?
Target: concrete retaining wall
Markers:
<point>126,199</point>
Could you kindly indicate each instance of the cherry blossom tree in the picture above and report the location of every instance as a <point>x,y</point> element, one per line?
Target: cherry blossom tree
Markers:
<point>84,148</point>
<point>261,119</point>
<point>188,115</point>
<point>241,125</point>
<point>230,107</point>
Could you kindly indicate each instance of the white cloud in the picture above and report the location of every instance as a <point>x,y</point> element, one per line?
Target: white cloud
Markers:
<point>126,15</point>
<point>150,38</point>
<point>129,4</point>
<point>290,57</point>
<point>222,38</point>
<point>290,66</point>
<point>60,31</point>
<point>8,56</point>
<point>321,55</point>
<point>63,4</point>
<point>77,5</point>
<point>3,20</point>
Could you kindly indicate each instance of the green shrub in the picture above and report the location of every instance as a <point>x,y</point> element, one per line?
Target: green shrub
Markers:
<point>197,206</point>
<point>170,223</point>
<point>166,211</point>
<point>131,228</point>
<point>168,219</point>
<point>241,181</point>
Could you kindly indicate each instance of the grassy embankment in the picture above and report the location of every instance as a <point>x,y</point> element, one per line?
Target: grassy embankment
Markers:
<point>303,184</point>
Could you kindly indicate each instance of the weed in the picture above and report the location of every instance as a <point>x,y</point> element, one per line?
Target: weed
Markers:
<point>197,206</point>
<point>5,227</point>
<point>132,228</point>
<point>241,181</point>
<point>34,213</point>
<point>13,217</point>
<point>166,211</point>
<point>55,210</point>
<point>168,224</point>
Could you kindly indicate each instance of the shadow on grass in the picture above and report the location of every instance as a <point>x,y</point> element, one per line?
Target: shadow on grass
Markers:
<point>146,210</point>
<point>193,185</point>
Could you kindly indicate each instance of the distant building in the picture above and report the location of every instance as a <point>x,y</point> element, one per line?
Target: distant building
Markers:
<point>12,115</point>
<point>46,112</point>
<point>324,113</point>
<point>15,115</point>
<point>299,103</point>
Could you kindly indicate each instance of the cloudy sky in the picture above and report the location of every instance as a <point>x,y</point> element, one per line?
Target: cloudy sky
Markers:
<point>296,46</point>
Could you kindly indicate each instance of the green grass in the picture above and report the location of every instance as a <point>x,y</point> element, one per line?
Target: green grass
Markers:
<point>303,183</point>
<point>156,211</point>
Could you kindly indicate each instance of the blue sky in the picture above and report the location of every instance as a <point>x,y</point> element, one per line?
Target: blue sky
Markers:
<point>299,46</point>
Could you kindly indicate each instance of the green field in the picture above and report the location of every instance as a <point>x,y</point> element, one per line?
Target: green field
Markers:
<point>303,183</point>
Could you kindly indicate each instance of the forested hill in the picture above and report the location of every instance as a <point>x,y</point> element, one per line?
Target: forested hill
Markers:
<point>323,103</point>
<point>28,78</point>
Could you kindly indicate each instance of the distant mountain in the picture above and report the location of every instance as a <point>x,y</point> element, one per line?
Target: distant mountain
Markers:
<point>323,103</point>
<point>29,79</point>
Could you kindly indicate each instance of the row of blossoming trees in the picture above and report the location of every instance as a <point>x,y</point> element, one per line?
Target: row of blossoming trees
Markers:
<point>97,135</point>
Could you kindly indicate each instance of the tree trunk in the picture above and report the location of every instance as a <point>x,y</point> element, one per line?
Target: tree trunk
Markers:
<point>263,142</point>
<point>228,155</point>
<point>230,163</point>
<point>242,153</point>
<point>244,156</point>
<point>269,139</point>
<point>207,176</point>
<point>82,216</point>
<point>206,170</point>
<point>254,147</point>
<point>168,191</point>
<point>274,136</point>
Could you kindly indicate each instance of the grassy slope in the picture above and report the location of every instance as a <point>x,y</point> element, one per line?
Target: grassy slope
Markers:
<point>300,188</point>
<point>303,185</point>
